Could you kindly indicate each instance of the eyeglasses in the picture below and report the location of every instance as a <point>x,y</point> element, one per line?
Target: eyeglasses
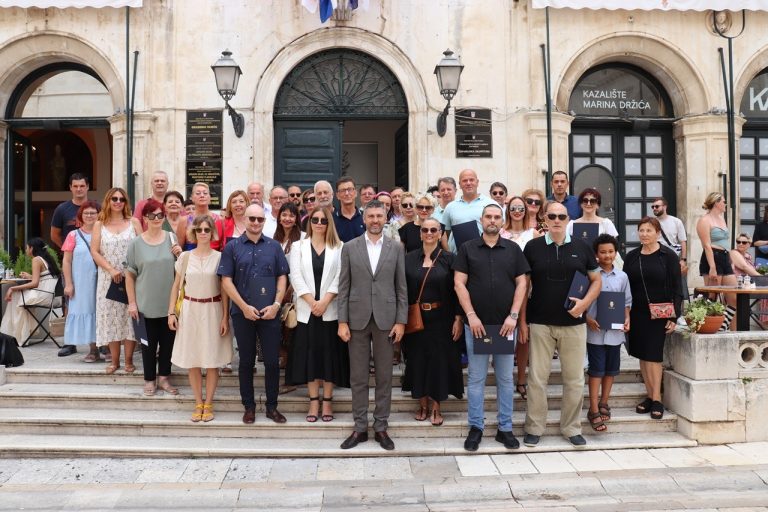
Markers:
<point>406,205</point>
<point>518,209</point>
<point>308,200</point>
<point>742,242</point>
<point>424,207</point>
<point>256,219</point>
<point>560,216</point>
<point>498,193</point>
<point>656,206</point>
<point>202,230</point>
<point>430,230</point>
<point>295,194</point>
<point>155,216</point>
<point>117,199</point>
<point>589,200</point>
<point>347,190</point>
<point>320,220</point>
<point>532,201</point>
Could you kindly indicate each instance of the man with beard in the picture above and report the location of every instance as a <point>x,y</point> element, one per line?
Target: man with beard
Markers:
<point>373,311</point>
<point>672,232</point>
<point>490,281</point>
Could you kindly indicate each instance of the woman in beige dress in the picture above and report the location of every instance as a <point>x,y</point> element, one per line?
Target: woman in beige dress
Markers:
<point>202,329</point>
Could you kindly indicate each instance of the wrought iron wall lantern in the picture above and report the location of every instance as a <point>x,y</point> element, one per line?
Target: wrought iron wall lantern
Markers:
<point>227,74</point>
<point>448,73</point>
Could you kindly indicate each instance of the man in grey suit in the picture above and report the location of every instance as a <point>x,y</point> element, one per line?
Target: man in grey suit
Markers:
<point>373,311</point>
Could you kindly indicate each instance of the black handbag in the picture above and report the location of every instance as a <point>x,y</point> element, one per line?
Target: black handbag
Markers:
<point>10,355</point>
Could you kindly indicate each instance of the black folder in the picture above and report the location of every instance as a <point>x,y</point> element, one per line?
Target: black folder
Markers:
<point>493,342</point>
<point>578,289</point>
<point>586,231</point>
<point>140,330</point>
<point>610,310</point>
<point>262,291</point>
<point>117,292</point>
<point>464,232</point>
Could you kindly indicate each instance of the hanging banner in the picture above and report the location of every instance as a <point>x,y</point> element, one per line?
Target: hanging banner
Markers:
<point>64,4</point>
<point>663,5</point>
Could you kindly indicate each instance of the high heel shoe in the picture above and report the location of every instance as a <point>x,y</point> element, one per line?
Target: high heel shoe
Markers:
<point>327,417</point>
<point>312,418</point>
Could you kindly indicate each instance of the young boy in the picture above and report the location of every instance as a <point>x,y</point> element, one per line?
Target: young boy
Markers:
<point>604,343</point>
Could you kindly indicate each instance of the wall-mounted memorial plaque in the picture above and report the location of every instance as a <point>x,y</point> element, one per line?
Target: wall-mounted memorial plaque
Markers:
<point>474,138</point>
<point>204,152</point>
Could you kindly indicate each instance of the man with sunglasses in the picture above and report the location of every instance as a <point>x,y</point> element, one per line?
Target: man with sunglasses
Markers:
<point>247,261</point>
<point>469,207</point>
<point>348,219</point>
<point>560,194</point>
<point>294,195</point>
<point>672,232</point>
<point>547,324</point>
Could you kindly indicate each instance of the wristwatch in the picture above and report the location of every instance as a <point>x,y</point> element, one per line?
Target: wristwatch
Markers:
<point>514,316</point>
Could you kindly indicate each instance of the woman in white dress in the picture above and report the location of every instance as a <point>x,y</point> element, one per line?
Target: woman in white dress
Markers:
<point>109,247</point>
<point>202,329</point>
<point>590,200</point>
<point>17,321</point>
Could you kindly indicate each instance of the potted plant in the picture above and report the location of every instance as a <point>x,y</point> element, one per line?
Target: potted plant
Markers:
<point>704,316</point>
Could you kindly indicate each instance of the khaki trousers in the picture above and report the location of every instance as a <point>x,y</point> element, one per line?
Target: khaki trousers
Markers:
<point>571,345</point>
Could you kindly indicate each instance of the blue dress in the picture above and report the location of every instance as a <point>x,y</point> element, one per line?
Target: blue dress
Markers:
<point>80,328</point>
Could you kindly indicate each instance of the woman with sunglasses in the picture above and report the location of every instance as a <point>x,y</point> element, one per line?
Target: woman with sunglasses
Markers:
<point>535,206</point>
<point>202,337</point>
<point>760,240</point>
<point>390,228</point>
<point>433,365</point>
<point>175,216</point>
<point>590,200</point>
<point>148,281</point>
<point>741,259</point>
<point>410,234</point>
<point>499,193</point>
<point>308,204</point>
<point>232,223</point>
<point>111,236</point>
<point>80,277</point>
<point>318,356</point>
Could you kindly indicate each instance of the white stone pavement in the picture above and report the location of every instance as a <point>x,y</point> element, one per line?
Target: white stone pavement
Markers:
<point>727,477</point>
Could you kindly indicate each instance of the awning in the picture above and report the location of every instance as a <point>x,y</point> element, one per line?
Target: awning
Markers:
<point>648,5</point>
<point>63,4</point>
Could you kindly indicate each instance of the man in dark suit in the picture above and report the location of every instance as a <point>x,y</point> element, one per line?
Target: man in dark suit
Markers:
<point>373,311</point>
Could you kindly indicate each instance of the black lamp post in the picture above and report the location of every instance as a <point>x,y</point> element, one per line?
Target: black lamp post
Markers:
<point>227,74</point>
<point>448,73</point>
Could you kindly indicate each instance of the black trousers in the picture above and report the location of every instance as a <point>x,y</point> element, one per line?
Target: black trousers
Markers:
<point>157,362</point>
<point>247,334</point>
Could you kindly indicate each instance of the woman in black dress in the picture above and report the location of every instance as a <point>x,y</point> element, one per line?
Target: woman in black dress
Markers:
<point>318,357</point>
<point>433,362</point>
<point>654,276</point>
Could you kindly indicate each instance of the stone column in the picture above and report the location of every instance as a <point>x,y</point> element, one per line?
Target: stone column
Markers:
<point>3,157</point>
<point>143,143</point>
<point>535,152</point>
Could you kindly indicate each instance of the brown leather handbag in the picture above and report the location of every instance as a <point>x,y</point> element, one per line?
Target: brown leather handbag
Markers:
<point>415,322</point>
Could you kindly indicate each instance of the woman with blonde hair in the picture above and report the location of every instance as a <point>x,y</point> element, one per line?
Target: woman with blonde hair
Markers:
<point>715,264</point>
<point>536,205</point>
<point>109,247</point>
<point>318,356</point>
<point>410,234</point>
<point>202,329</point>
<point>233,222</point>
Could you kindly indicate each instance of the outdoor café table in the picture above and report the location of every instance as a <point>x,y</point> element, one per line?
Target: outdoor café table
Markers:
<point>744,296</point>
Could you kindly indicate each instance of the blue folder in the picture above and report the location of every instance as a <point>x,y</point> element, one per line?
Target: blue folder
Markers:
<point>262,291</point>
<point>578,289</point>
<point>493,342</point>
<point>610,310</point>
<point>586,231</point>
<point>464,232</point>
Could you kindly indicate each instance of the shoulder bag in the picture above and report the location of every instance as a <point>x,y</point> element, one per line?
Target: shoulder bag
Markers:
<point>659,310</point>
<point>180,297</point>
<point>415,322</point>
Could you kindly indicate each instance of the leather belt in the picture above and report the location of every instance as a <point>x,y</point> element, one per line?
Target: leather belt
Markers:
<point>209,299</point>
<point>429,306</point>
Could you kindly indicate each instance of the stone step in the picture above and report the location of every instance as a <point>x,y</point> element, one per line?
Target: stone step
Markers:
<point>101,396</point>
<point>86,445</point>
<point>137,424</point>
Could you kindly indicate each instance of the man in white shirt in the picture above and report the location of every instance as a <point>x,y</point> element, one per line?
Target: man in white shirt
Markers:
<point>672,232</point>
<point>277,197</point>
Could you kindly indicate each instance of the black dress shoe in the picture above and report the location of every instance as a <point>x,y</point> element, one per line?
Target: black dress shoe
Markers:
<point>577,440</point>
<point>249,416</point>
<point>474,437</point>
<point>508,439</point>
<point>531,440</point>
<point>67,350</point>
<point>384,440</point>
<point>275,416</point>
<point>354,439</point>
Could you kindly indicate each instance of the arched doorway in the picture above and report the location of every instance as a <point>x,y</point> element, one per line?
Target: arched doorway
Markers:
<point>753,153</point>
<point>621,143</point>
<point>57,126</point>
<point>341,112</point>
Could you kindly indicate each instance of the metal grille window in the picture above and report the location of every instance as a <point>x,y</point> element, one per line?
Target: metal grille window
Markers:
<point>753,183</point>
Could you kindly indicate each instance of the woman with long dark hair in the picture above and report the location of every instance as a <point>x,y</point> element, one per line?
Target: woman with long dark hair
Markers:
<point>17,322</point>
<point>288,231</point>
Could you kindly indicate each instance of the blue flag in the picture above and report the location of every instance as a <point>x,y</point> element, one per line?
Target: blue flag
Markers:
<point>326,10</point>
<point>353,4</point>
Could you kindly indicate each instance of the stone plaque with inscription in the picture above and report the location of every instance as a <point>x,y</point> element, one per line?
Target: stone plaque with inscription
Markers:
<point>204,152</point>
<point>474,137</point>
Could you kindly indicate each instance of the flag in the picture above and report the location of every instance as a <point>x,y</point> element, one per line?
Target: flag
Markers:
<point>310,5</point>
<point>326,9</point>
<point>354,4</point>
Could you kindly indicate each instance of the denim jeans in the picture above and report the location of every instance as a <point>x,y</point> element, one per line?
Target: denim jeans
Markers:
<point>504,366</point>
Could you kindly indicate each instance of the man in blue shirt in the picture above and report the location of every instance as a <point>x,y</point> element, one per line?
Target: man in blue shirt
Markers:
<point>254,272</point>
<point>560,195</point>
<point>348,219</point>
<point>467,208</point>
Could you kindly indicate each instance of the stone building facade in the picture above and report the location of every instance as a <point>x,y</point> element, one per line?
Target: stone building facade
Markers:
<point>638,98</point>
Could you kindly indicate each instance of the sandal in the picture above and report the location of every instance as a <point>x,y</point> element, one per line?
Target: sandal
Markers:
<point>92,357</point>
<point>327,417</point>
<point>165,385</point>
<point>198,414</point>
<point>435,415</point>
<point>523,390</point>
<point>207,413</point>
<point>312,418</point>
<point>129,368</point>
<point>657,410</point>
<point>422,414</point>
<point>605,411</point>
<point>112,369</point>
<point>644,407</point>
<point>150,387</point>
<point>596,421</point>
